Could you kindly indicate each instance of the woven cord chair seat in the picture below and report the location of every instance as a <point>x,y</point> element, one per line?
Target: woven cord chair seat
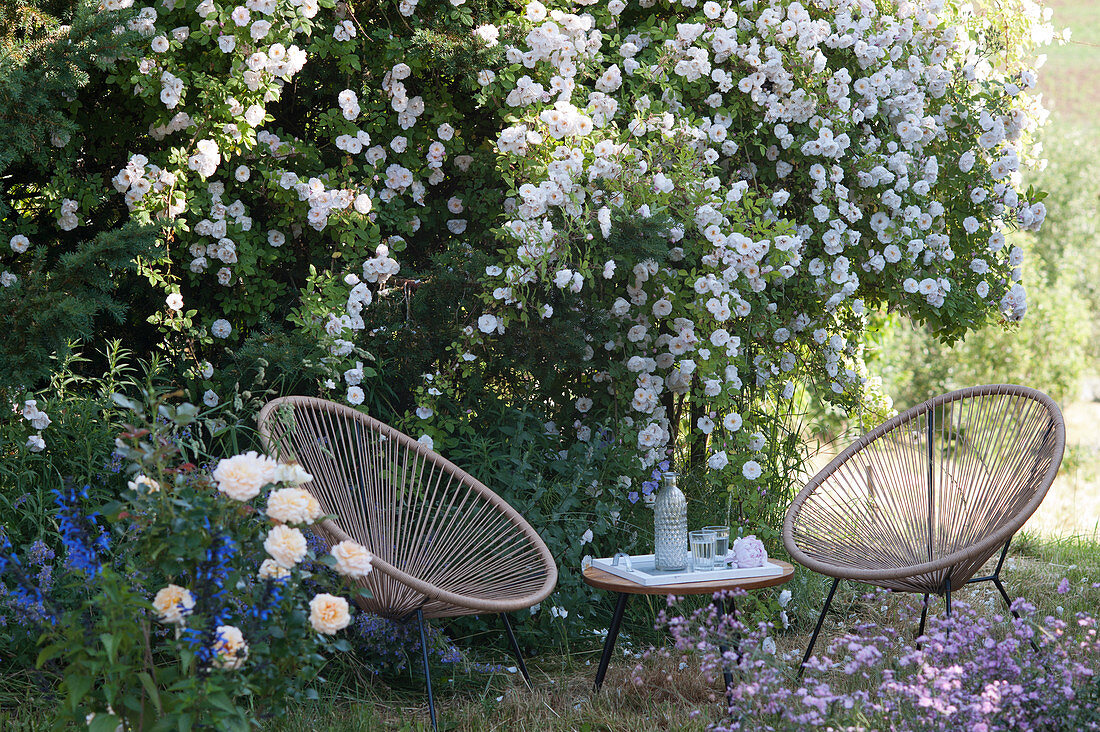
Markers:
<point>921,502</point>
<point>443,543</point>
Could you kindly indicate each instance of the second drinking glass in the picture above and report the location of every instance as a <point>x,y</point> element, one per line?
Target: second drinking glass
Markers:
<point>702,550</point>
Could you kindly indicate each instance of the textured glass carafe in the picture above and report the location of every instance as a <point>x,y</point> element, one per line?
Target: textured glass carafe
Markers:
<point>670,545</point>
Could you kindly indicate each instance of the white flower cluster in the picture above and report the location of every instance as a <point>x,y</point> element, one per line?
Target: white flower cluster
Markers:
<point>223,249</point>
<point>377,270</point>
<point>408,108</point>
<point>171,89</point>
<point>322,200</point>
<point>179,121</point>
<point>349,104</point>
<point>344,31</point>
<point>39,420</point>
<point>67,219</point>
<point>381,266</point>
<point>257,36</point>
<point>205,159</point>
<point>139,177</point>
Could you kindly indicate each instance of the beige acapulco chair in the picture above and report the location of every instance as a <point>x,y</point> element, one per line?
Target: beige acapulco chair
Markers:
<point>443,543</point>
<point>920,503</point>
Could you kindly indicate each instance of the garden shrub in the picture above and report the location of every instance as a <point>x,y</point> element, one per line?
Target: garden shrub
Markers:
<point>183,603</point>
<point>61,280</point>
<point>572,496</point>
<point>81,420</point>
<point>1063,270</point>
<point>915,366</point>
<point>1065,250</point>
<point>657,222</point>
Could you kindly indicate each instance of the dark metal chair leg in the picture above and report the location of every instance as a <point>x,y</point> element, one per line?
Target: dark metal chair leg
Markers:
<point>817,628</point>
<point>947,593</point>
<point>727,673</point>
<point>1008,602</point>
<point>612,635</point>
<point>996,579</point>
<point>923,616</point>
<point>515,647</point>
<point>427,670</point>
<point>1004,594</point>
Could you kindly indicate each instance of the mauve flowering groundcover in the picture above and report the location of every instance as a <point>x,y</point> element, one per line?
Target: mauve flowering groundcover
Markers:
<point>969,672</point>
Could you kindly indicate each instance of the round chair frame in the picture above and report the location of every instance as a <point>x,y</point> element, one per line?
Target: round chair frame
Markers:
<point>443,543</point>
<point>831,525</point>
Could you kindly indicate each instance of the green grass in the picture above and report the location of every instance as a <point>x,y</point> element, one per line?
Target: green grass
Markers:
<point>562,698</point>
<point>1069,80</point>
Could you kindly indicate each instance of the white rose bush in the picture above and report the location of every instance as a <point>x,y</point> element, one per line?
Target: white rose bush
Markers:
<point>868,125</point>
<point>796,166</point>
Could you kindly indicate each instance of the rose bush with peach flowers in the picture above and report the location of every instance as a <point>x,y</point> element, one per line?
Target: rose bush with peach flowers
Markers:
<point>232,588</point>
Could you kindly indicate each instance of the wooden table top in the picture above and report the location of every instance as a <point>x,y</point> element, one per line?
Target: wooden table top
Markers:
<point>613,583</point>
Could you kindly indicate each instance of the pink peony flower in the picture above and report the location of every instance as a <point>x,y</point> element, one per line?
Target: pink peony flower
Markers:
<point>748,551</point>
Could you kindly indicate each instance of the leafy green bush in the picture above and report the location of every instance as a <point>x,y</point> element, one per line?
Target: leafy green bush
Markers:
<point>1049,350</point>
<point>1060,338</point>
<point>73,279</point>
<point>1066,251</point>
<point>78,443</point>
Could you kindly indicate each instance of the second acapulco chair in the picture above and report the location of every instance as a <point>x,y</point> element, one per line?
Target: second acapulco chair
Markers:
<point>921,502</point>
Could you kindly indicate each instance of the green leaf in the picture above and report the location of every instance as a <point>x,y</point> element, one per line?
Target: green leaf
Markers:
<point>104,723</point>
<point>150,688</point>
<point>186,659</point>
<point>222,702</point>
<point>111,509</point>
<point>78,687</point>
<point>110,642</point>
<point>49,652</point>
<point>186,414</point>
<point>125,402</point>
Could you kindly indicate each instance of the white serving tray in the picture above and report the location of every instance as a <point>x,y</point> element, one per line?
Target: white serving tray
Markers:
<point>643,572</point>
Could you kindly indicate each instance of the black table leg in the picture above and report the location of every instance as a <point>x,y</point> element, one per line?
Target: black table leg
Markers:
<point>727,674</point>
<point>612,635</point>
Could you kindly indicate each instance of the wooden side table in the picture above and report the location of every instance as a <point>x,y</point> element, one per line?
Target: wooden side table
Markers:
<point>625,588</point>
